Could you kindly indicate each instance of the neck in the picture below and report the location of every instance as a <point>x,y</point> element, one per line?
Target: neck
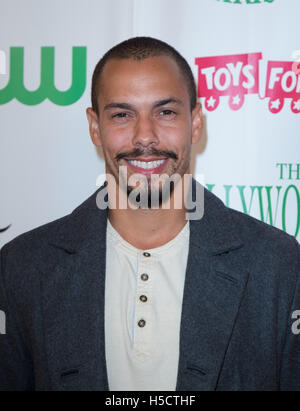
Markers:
<point>150,228</point>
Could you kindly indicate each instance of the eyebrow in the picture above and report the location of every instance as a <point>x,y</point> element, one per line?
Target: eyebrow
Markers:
<point>159,103</point>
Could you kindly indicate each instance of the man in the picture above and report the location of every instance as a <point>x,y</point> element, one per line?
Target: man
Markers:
<point>139,297</point>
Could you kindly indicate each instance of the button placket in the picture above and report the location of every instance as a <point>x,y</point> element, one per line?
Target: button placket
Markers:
<point>144,277</point>
<point>143,298</point>
<point>143,313</point>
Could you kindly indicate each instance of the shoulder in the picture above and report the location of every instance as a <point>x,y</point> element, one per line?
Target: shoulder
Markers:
<point>250,231</point>
<point>264,237</point>
<point>30,252</point>
<point>268,251</point>
<point>273,257</point>
<point>41,235</point>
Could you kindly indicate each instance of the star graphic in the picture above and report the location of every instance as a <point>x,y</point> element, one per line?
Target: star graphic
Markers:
<point>297,105</point>
<point>211,102</point>
<point>236,100</point>
<point>275,104</point>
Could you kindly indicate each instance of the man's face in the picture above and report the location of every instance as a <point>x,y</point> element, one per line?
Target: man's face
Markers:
<point>145,120</point>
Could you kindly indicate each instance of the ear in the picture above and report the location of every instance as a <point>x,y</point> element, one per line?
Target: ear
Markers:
<point>94,127</point>
<point>196,123</point>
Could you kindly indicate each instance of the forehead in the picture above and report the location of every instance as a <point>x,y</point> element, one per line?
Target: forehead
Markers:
<point>150,79</point>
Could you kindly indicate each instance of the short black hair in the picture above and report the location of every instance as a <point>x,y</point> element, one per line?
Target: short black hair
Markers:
<point>140,48</point>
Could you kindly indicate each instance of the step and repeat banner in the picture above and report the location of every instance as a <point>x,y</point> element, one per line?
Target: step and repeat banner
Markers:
<point>245,55</point>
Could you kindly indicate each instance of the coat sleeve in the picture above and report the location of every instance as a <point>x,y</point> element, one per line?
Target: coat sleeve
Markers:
<point>290,363</point>
<point>16,369</point>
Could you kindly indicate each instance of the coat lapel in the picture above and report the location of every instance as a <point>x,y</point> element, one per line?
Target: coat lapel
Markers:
<point>216,278</point>
<point>73,302</point>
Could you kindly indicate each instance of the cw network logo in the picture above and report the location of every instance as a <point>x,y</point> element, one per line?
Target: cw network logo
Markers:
<point>16,89</point>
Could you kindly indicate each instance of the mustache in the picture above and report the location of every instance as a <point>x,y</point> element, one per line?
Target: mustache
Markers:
<point>153,151</point>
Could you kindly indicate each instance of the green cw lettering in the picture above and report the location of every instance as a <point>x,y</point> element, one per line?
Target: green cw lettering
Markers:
<point>15,87</point>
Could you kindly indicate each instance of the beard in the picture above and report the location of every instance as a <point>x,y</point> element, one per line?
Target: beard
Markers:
<point>150,196</point>
<point>147,194</point>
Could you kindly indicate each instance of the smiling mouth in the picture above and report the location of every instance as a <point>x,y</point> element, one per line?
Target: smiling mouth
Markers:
<point>147,166</point>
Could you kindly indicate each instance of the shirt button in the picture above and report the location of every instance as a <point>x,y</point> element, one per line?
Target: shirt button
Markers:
<point>142,323</point>
<point>145,254</point>
<point>144,277</point>
<point>143,298</point>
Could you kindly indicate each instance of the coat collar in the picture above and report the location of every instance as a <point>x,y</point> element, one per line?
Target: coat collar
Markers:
<point>215,233</point>
<point>73,298</point>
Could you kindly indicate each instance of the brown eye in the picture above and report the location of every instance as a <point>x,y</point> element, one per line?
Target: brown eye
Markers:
<point>167,114</point>
<point>120,115</point>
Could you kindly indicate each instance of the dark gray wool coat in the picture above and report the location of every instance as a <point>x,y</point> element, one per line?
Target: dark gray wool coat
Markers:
<point>241,290</point>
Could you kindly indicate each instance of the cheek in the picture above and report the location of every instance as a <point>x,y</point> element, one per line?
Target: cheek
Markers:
<point>179,142</point>
<point>172,135</point>
<point>115,141</point>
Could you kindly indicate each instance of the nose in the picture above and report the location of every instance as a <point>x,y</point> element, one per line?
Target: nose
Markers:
<point>145,134</point>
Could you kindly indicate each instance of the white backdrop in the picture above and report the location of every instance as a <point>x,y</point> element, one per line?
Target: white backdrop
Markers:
<point>238,50</point>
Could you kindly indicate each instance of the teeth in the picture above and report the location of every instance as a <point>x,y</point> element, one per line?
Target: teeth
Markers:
<point>147,165</point>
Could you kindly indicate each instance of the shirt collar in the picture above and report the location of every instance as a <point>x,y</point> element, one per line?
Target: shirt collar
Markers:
<point>181,238</point>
